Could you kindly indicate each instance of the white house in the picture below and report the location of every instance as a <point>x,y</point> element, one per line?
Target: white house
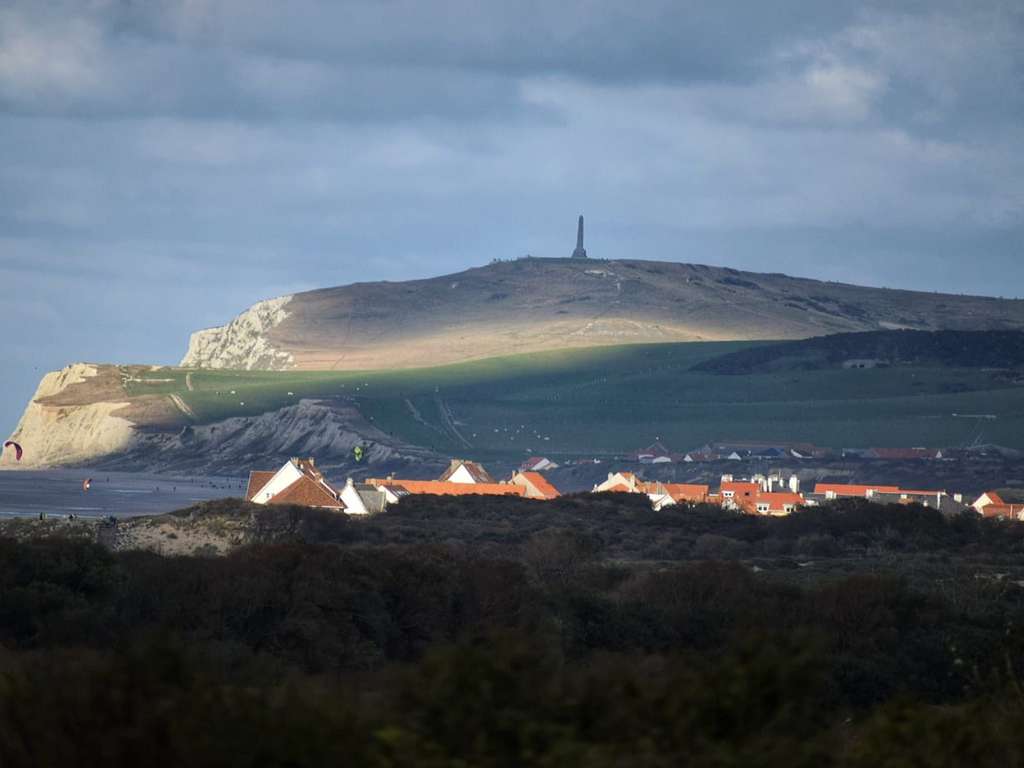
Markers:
<point>362,498</point>
<point>623,482</point>
<point>986,499</point>
<point>461,471</point>
<point>298,482</point>
<point>537,464</point>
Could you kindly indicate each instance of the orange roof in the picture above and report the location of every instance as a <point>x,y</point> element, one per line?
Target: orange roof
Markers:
<point>256,481</point>
<point>618,488</point>
<point>307,492</point>
<point>686,491</point>
<point>540,484</point>
<point>780,498</point>
<point>994,497</point>
<point>475,469</point>
<point>1002,510</point>
<point>842,489</point>
<point>741,488</point>
<point>445,488</point>
<point>777,502</point>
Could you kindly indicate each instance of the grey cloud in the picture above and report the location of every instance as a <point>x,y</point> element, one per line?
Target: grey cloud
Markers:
<point>165,164</point>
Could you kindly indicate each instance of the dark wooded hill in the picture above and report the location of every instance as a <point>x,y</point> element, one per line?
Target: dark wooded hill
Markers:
<point>959,349</point>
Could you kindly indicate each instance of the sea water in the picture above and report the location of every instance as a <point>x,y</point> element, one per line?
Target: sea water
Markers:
<point>60,493</point>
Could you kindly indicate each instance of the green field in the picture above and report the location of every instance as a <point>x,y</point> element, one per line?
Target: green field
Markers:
<point>611,400</point>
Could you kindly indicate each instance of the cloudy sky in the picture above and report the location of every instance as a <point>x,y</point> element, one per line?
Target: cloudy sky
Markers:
<point>165,163</point>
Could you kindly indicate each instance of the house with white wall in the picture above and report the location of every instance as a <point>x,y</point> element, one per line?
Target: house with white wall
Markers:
<point>462,471</point>
<point>298,482</point>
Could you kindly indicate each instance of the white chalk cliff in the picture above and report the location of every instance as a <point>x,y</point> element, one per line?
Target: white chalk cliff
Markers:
<point>55,435</point>
<point>242,343</point>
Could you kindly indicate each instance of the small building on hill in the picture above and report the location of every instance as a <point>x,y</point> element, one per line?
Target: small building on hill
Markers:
<point>987,499</point>
<point>831,491</point>
<point>297,482</point>
<point>661,494</point>
<point>669,494</point>
<point>655,453</point>
<point>395,488</point>
<point>363,498</point>
<point>462,471</point>
<point>732,491</point>
<point>992,504</point>
<point>537,464</point>
<point>766,503</point>
<point>534,485</point>
<point>618,482</point>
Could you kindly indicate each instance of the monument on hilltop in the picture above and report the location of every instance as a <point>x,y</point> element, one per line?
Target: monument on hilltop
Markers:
<point>580,252</point>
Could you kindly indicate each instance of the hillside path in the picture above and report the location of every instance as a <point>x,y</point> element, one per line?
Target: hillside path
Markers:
<point>183,406</point>
<point>449,422</point>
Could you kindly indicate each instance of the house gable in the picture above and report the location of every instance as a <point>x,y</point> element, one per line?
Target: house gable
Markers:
<point>284,477</point>
<point>257,480</point>
<point>461,471</point>
<point>536,485</point>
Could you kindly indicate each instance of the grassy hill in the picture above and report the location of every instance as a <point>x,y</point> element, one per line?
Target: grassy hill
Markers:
<point>608,400</point>
<point>532,305</point>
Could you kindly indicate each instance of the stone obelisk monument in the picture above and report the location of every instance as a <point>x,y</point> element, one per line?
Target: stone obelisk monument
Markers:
<point>580,252</point>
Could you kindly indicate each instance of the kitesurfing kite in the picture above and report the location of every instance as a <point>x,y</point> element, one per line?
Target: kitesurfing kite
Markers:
<point>17,449</point>
<point>358,453</point>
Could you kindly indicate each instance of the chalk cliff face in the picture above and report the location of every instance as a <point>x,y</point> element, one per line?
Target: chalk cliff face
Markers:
<point>59,433</point>
<point>328,429</point>
<point>532,305</point>
<point>242,343</point>
<point>87,415</point>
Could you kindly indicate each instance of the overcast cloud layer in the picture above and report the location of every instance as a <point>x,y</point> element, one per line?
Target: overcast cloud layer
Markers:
<point>163,164</point>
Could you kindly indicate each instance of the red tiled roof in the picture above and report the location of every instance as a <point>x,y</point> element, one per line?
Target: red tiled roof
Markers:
<point>741,488</point>
<point>618,488</point>
<point>842,489</point>
<point>777,502</point>
<point>532,462</point>
<point>541,484</point>
<point>256,481</point>
<point>475,469</point>
<point>445,488</point>
<point>687,491</point>
<point>994,497</point>
<point>1011,511</point>
<point>307,492</point>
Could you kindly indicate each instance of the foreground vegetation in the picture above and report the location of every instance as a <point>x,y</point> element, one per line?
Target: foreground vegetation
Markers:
<point>462,631</point>
<point>608,399</point>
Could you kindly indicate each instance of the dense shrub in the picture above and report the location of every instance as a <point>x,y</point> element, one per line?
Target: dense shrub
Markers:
<point>536,634</point>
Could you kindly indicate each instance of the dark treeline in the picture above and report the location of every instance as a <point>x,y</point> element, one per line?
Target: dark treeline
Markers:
<point>624,527</point>
<point>535,647</point>
<point>965,349</point>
